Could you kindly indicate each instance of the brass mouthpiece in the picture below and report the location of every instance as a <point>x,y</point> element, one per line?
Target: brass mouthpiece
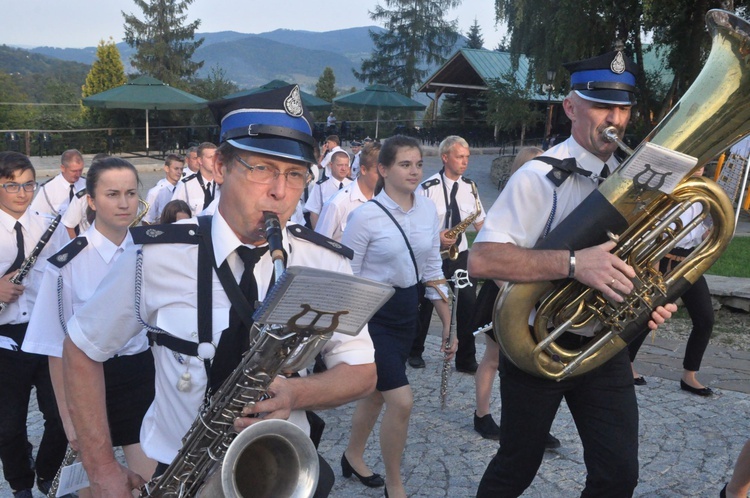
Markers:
<point>610,135</point>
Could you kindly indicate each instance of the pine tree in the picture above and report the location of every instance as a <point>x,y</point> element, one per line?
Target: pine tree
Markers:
<point>417,35</point>
<point>164,41</point>
<point>474,36</point>
<point>326,87</point>
<point>106,72</point>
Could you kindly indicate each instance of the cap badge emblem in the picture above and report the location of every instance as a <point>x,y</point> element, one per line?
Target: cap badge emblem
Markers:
<point>618,64</point>
<point>293,103</point>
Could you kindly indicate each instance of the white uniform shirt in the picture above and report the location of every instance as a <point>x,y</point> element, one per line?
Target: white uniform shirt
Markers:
<point>190,190</point>
<point>33,227</point>
<point>333,216</point>
<point>695,236</point>
<point>380,251</point>
<point>321,192</point>
<point>156,198</point>
<point>53,196</point>
<point>169,293</point>
<point>75,215</point>
<point>80,278</point>
<point>355,165</point>
<point>467,203</point>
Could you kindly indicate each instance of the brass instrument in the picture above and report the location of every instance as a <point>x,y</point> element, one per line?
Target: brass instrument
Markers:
<point>460,227</point>
<point>272,458</point>
<point>143,208</point>
<point>30,260</point>
<point>460,280</point>
<point>713,114</point>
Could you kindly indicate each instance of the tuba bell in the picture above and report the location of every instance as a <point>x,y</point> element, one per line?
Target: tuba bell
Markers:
<point>712,115</point>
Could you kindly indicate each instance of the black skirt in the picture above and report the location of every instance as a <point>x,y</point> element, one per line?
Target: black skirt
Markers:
<point>393,329</point>
<point>129,382</point>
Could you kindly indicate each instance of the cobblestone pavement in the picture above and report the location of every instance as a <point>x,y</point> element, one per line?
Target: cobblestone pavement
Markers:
<point>688,444</point>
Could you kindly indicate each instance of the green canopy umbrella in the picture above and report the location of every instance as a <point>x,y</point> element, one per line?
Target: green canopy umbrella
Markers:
<point>379,97</point>
<point>145,93</point>
<point>309,100</point>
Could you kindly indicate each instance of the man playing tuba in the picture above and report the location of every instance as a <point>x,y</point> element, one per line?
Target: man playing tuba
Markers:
<point>535,200</point>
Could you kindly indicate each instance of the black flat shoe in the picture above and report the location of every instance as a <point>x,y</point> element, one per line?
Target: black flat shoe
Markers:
<point>551,442</point>
<point>416,362</point>
<point>372,481</point>
<point>722,493</point>
<point>639,381</point>
<point>704,391</point>
<point>486,427</point>
<point>469,368</point>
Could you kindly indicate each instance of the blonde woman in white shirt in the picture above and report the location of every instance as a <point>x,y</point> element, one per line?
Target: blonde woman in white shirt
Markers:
<point>70,279</point>
<point>378,232</point>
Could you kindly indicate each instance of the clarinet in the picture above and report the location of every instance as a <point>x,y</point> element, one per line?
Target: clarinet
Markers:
<point>28,263</point>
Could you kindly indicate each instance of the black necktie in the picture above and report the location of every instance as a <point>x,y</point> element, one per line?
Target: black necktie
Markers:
<point>455,213</point>
<point>341,185</point>
<point>19,244</point>
<point>604,174</point>
<point>207,195</point>
<point>71,192</point>
<point>235,340</point>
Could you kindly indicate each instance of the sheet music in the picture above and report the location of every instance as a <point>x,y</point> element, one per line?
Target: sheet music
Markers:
<point>306,295</point>
<point>657,167</point>
<point>72,478</point>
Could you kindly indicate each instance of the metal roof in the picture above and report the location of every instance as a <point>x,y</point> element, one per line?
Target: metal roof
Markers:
<point>472,70</point>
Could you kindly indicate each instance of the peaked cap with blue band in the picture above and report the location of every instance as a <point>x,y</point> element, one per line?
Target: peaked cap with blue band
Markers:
<point>273,122</point>
<point>608,78</point>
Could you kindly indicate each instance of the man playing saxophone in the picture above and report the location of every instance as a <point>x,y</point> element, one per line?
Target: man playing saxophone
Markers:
<point>262,166</point>
<point>535,200</point>
<point>457,202</point>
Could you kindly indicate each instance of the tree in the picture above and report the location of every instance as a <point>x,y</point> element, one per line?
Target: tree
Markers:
<point>106,72</point>
<point>416,35</point>
<point>474,36</point>
<point>164,43</point>
<point>215,85</point>
<point>326,87</point>
<point>509,106</point>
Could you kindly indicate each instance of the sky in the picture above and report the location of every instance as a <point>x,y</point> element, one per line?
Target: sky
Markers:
<point>83,23</point>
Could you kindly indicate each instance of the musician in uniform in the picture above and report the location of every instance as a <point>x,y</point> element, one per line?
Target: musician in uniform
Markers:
<point>456,198</point>
<point>536,199</point>
<point>21,229</point>
<point>327,186</point>
<point>261,168</point>
<point>199,189</point>
<point>336,210</point>
<point>55,195</point>
<point>161,193</point>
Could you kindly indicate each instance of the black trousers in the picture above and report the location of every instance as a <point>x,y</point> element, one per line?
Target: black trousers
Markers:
<point>697,301</point>
<point>466,353</point>
<point>605,411</point>
<point>19,372</point>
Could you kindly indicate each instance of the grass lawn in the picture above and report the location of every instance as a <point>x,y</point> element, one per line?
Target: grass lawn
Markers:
<point>735,262</point>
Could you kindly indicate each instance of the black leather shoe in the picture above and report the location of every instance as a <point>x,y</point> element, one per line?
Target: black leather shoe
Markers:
<point>486,427</point>
<point>371,481</point>
<point>416,362</point>
<point>639,381</point>
<point>705,391</point>
<point>469,368</point>
<point>551,442</point>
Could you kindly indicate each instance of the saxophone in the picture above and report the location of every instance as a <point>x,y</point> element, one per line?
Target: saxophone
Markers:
<point>452,251</point>
<point>29,262</point>
<point>270,458</point>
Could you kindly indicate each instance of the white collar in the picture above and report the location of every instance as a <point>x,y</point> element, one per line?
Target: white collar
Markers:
<point>105,247</point>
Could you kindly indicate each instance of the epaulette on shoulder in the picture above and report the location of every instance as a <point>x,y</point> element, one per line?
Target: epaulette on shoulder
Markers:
<point>430,183</point>
<point>81,193</point>
<point>189,177</point>
<point>468,180</point>
<point>67,253</point>
<point>559,172</point>
<point>305,233</point>
<point>322,180</point>
<point>45,183</point>
<point>171,233</point>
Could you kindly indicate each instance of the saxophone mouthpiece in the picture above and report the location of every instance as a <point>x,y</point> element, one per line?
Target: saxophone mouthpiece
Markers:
<point>273,235</point>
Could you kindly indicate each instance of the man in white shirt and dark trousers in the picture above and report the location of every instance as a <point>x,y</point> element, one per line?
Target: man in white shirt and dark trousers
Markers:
<point>326,187</point>
<point>20,230</point>
<point>54,196</point>
<point>197,343</point>
<point>199,189</point>
<point>455,198</point>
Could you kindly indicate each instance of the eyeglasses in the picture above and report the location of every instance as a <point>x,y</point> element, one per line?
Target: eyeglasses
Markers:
<point>266,174</point>
<point>14,188</point>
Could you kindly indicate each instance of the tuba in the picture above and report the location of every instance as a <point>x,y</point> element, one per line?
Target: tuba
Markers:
<point>712,115</point>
